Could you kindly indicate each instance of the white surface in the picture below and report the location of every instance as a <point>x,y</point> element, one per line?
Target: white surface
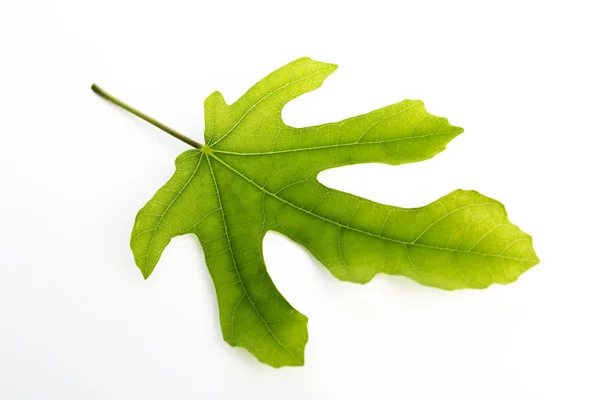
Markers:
<point>77,321</point>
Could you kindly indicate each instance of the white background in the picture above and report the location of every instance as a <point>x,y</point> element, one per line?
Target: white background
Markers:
<point>77,321</point>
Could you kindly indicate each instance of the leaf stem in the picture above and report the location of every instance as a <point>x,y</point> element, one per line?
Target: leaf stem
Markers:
<point>100,92</point>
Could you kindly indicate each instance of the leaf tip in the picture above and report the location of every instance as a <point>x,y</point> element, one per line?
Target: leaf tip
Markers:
<point>535,260</point>
<point>325,66</point>
<point>146,272</point>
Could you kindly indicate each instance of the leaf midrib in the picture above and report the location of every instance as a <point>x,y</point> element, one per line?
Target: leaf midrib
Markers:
<point>237,270</point>
<point>263,99</point>
<point>235,153</point>
<point>406,243</point>
<point>166,210</point>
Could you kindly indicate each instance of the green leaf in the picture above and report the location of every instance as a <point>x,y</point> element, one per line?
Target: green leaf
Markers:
<point>257,174</point>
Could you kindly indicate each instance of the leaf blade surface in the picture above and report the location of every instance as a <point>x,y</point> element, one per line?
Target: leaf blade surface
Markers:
<point>257,174</point>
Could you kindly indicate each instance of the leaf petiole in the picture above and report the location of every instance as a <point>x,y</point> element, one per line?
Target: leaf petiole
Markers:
<point>100,92</point>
